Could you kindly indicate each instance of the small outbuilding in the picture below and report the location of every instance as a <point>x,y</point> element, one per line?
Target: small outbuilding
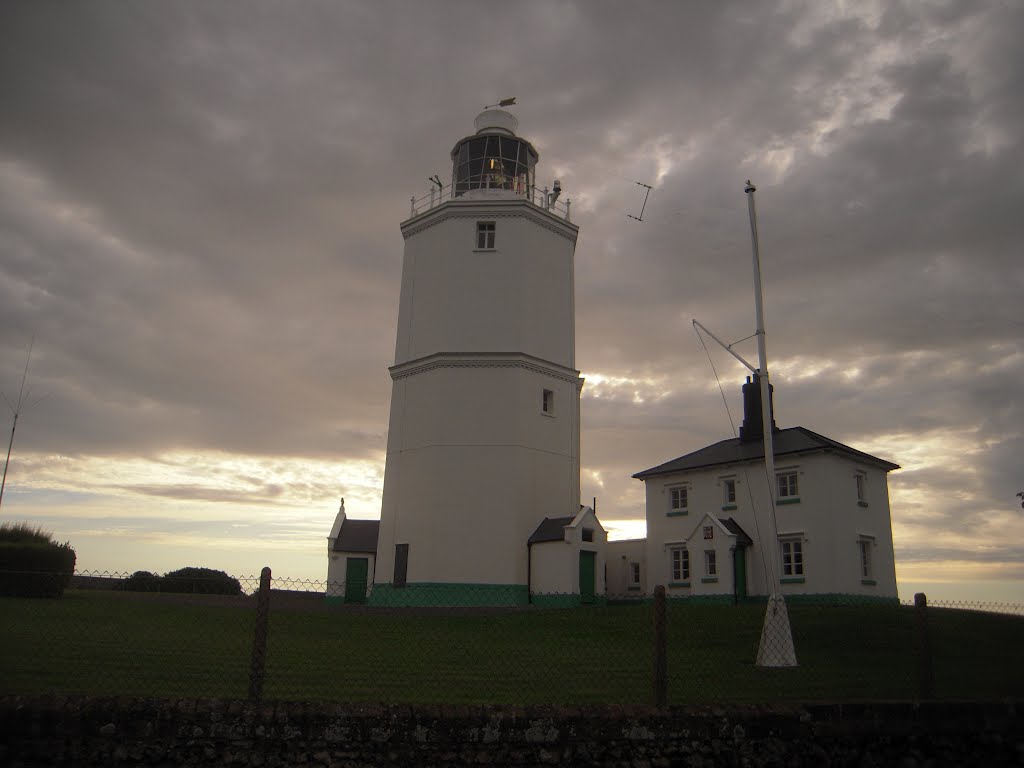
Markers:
<point>351,552</point>
<point>567,560</point>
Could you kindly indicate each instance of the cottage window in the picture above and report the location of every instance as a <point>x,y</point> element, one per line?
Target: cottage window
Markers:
<point>485,235</point>
<point>789,490</point>
<point>710,563</point>
<point>729,492</point>
<point>680,564</point>
<point>679,501</point>
<point>634,574</point>
<point>792,557</point>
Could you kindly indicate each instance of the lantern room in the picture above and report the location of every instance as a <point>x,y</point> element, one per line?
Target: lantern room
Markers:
<point>494,158</point>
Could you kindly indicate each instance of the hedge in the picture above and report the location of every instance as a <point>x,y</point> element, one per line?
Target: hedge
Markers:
<point>32,564</point>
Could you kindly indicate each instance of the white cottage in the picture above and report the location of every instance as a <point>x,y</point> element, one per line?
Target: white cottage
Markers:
<point>483,444</point>
<point>832,512</point>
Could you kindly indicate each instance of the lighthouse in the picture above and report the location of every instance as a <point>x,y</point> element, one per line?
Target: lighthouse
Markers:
<point>483,441</point>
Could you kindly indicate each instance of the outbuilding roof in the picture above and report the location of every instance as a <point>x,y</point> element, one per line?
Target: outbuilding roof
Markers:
<point>786,442</point>
<point>358,536</point>
<point>550,529</point>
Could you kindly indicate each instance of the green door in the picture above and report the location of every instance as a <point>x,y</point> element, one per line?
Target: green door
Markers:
<point>587,560</point>
<point>739,573</point>
<point>356,569</point>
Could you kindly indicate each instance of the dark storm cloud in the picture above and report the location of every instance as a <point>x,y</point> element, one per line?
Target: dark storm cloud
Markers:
<point>199,210</point>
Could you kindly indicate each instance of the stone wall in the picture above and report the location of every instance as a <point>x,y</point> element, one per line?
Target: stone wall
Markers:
<point>147,732</point>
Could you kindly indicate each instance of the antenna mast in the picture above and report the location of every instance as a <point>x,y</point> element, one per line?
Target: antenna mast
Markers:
<point>16,409</point>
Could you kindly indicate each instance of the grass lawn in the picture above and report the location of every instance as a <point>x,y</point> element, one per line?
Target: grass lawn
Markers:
<point>107,643</point>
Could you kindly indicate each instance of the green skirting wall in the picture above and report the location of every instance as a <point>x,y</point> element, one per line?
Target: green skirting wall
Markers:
<point>449,595</point>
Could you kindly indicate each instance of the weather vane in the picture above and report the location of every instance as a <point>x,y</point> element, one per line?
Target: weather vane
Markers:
<point>503,103</point>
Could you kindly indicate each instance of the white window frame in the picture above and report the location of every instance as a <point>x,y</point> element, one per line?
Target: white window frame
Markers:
<point>547,402</point>
<point>793,548</point>
<point>486,232</point>
<point>675,493</point>
<point>792,485</point>
<point>865,545</point>
<point>682,573</point>
<point>710,563</point>
<point>634,573</point>
<point>728,489</point>
<point>860,480</point>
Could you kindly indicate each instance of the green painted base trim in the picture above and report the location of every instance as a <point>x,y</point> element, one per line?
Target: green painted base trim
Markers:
<point>679,513</point>
<point>783,502</point>
<point>335,600</point>
<point>869,582</point>
<point>448,595</point>
<point>837,598</point>
<point>722,599</point>
<point>793,580</point>
<point>862,503</point>
<point>679,583</point>
<point>822,598</point>
<point>709,580</point>
<point>728,507</point>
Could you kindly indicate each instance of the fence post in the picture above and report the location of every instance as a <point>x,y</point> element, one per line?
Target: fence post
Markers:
<point>926,672</point>
<point>660,648</point>
<point>257,666</point>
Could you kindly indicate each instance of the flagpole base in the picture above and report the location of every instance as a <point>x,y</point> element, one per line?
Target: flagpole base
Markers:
<point>776,648</point>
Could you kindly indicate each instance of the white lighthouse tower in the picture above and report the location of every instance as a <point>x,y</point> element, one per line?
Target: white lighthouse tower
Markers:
<point>484,432</point>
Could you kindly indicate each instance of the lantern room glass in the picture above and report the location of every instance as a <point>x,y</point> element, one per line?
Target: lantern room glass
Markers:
<point>494,161</point>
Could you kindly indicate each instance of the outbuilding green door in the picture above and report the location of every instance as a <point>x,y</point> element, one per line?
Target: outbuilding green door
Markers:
<point>356,569</point>
<point>586,577</point>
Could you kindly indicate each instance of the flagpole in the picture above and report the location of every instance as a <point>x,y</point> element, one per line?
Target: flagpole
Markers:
<point>776,647</point>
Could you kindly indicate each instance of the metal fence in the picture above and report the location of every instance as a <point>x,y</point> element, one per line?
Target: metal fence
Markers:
<point>284,639</point>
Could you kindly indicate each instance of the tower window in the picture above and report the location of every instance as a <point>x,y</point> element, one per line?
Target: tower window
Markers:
<point>485,235</point>
<point>547,403</point>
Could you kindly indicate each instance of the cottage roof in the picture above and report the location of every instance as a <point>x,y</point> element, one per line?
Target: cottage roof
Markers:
<point>550,529</point>
<point>786,442</point>
<point>358,536</point>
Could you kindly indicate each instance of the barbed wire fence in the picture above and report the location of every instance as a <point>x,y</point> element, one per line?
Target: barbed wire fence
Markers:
<point>300,639</point>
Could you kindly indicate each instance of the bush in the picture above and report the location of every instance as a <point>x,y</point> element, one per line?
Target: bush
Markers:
<point>32,564</point>
<point>200,581</point>
<point>141,581</point>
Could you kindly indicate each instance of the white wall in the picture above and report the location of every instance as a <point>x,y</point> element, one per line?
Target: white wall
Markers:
<point>516,298</point>
<point>619,556</point>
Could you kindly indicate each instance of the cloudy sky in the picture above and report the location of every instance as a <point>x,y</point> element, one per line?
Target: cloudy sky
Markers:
<point>199,226</point>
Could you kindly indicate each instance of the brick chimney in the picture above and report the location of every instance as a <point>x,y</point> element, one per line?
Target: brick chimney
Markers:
<point>752,428</point>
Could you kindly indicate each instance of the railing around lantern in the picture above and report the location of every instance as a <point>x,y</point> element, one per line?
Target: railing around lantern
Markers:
<point>542,198</point>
